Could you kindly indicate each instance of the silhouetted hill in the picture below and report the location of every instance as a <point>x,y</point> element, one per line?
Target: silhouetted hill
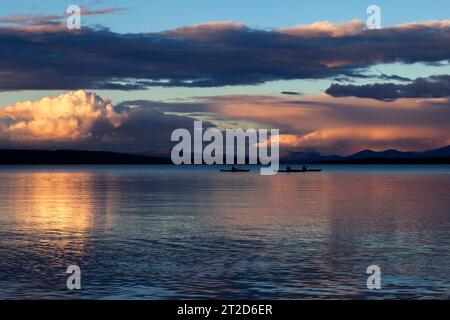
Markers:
<point>436,156</point>
<point>441,152</point>
<point>12,157</point>
<point>45,157</point>
<point>388,154</point>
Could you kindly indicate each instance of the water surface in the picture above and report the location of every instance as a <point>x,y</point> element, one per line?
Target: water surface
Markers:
<point>157,232</point>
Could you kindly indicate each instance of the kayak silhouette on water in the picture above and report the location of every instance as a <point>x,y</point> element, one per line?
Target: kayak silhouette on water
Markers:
<point>303,169</point>
<point>234,169</point>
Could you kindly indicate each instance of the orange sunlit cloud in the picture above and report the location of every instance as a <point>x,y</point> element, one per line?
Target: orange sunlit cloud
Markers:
<point>345,124</point>
<point>68,117</point>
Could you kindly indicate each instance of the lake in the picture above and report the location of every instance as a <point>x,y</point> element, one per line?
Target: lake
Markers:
<point>164,232</point>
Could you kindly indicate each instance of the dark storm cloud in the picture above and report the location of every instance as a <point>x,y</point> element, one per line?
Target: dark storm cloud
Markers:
<point>209,55</point>
<point>431,87</point>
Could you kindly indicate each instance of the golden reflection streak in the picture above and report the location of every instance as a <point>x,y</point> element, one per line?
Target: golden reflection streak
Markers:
<point>60,207</point>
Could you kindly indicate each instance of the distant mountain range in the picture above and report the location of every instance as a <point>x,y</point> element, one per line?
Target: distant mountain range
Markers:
<point>441,155</point>
<point>46,157</point>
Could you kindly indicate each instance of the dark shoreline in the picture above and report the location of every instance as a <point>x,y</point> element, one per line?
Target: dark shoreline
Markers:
<point>77,157</point>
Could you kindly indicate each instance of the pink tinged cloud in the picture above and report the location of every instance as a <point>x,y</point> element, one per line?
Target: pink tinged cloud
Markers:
<point>344,125</point>
<point>326,28</point>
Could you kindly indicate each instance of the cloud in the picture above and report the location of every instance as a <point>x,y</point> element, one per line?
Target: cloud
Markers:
<point>83,120</point>
<point>207,31</point>
<point>207,55</point>
<point>336,125</point>
<point>326,29</point>
<point>30,19</point>
<point>392,77</point>
<point>41,20</point>
<point>431,87</point>
<point>291,93</point>
<point>100,11</point>
<point>69,117</point>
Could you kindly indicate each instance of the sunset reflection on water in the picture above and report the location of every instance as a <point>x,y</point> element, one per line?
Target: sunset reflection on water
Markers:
<point>151,232</point>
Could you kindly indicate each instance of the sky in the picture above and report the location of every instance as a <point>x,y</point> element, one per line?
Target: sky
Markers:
<point>139,69</point>
<point>158,15</point>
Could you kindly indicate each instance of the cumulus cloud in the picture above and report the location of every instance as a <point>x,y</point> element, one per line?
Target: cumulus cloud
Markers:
<point>431,87</point>
<point>208,55</point>
<point>69,117</point>
<point>83,120</point>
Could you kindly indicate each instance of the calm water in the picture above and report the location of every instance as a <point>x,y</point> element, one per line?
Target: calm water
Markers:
<point>156,232</point>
